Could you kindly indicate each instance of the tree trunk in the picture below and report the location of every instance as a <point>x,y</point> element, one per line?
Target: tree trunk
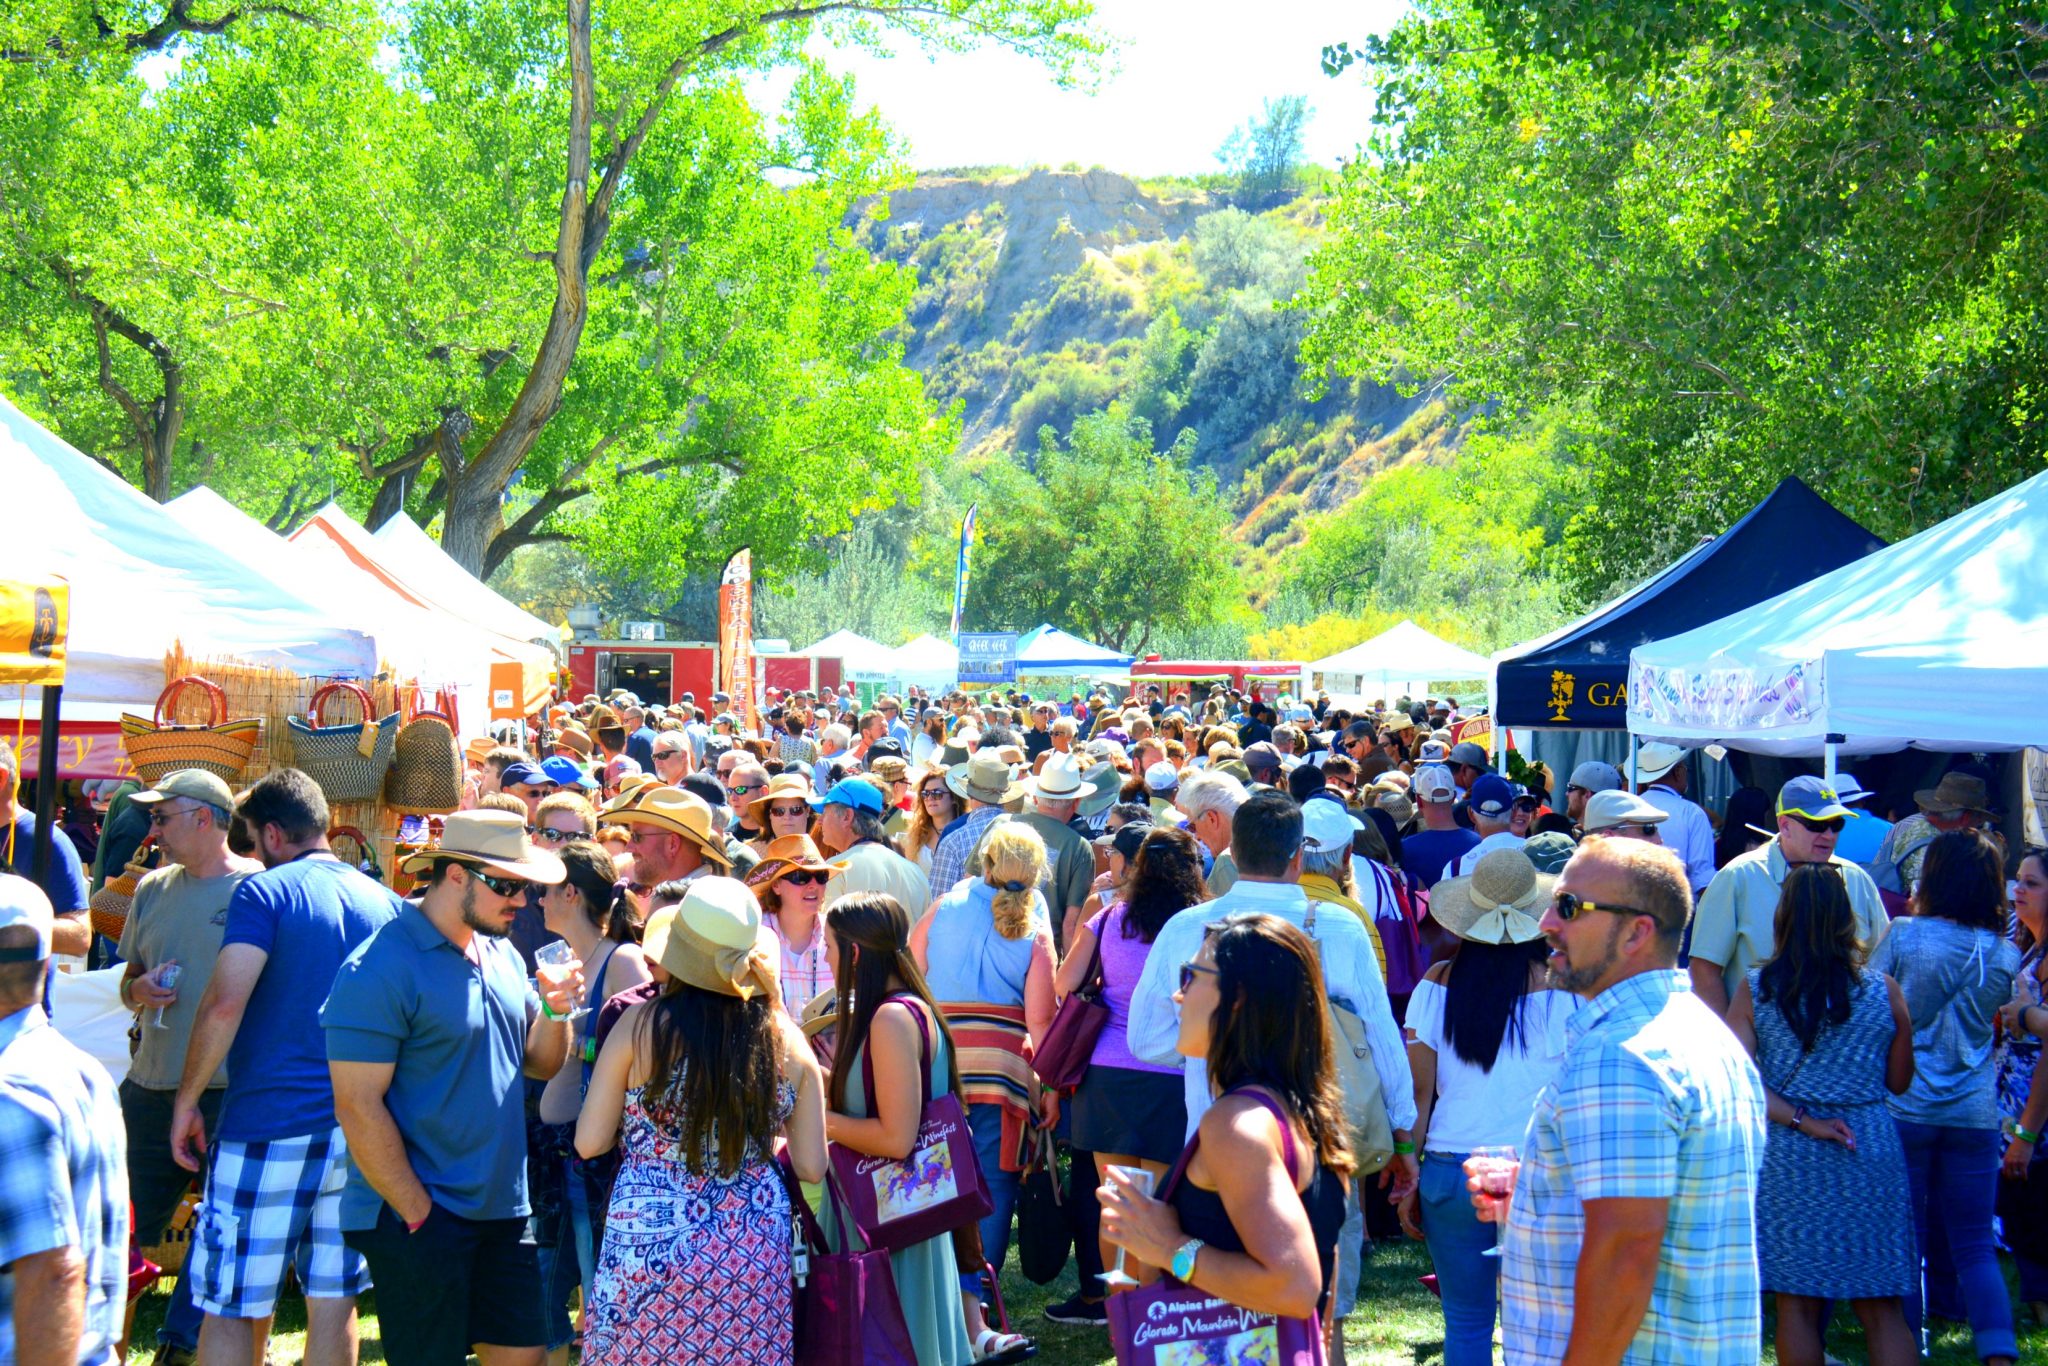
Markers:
<point>472,516</point>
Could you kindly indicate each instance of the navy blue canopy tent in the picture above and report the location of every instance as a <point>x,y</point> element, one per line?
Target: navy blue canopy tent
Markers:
<point>1576,678</point>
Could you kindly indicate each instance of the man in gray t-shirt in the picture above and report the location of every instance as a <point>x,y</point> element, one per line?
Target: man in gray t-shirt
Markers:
<point>178,917</point>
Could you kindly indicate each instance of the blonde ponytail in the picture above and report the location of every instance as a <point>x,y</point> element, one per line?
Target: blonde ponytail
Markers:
<point>1012,858</point>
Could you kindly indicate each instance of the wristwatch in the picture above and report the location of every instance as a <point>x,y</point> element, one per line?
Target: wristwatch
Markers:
<point>1184,1259</point>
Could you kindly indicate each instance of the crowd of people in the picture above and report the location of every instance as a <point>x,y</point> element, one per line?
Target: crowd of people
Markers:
<point>675,982</point>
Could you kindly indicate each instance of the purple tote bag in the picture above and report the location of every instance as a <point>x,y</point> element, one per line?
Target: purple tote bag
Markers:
<point>1166,1323</point>
<point>1062,1059</point>
<point>900,1203</point>
<point>847,1310</point>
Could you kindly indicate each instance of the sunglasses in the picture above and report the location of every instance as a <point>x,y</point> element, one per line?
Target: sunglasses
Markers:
<point>160,816</point>
<point>737,788</point>
<point>1188,971</point>
<point>788,812</point>
<point>1833,826</point>
<point>1570,906</point>
<point>805,878</point>
<point>499,883</point>
<point>547,836</point>
<point>932,793</point>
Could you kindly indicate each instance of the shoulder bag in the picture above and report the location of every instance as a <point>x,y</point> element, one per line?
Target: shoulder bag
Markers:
<point>846,1306</point>
<point>1062,1057</point>
<point>159,746</point>
<point>1365,1108</point>
<point>348,760</point>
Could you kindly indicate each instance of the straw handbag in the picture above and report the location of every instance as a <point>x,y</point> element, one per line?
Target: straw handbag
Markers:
<point>426,770</point>
<point>159,746</point>
<point>116,897</point>
<point>363,857</point>
<point>349,761</point>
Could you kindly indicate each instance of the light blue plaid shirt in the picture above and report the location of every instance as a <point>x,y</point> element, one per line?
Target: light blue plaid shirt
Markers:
<point>949,860</point>
<point>1655,1099</point>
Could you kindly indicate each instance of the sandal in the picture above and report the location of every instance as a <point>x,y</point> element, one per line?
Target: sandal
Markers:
<point>993,1348</point>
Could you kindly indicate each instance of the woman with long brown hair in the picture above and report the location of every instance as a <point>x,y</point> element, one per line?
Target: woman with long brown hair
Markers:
<point>1254,1219</point>
<point>886,1014</point>
<point>696,1262</point>
<point>933,807</point>
<point>1834,1044</point>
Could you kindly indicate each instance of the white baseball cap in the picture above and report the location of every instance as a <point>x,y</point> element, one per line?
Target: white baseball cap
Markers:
<point>1433,783</point>
<point>24,903</point>
<point>1326,826</point>
<point>1605,810</point>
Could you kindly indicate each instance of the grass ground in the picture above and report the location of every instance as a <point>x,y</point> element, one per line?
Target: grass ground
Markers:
<point>1397,1325</point>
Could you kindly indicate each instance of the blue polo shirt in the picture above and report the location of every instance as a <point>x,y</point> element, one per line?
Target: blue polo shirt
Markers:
<point>456,1032</point>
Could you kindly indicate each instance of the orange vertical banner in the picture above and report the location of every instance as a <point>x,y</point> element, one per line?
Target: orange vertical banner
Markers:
<point>736,633</point>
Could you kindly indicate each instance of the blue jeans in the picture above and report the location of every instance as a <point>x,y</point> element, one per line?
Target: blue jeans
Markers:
<point>1957,1170</point>
<point>986,1122</point>
<point>570,1262</point>
<point>1468,1280</point>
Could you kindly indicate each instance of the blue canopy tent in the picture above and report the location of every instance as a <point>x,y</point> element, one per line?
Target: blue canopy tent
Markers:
<point>1049,650</point>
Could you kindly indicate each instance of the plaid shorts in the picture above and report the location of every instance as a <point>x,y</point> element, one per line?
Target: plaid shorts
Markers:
<point>269,1206</point>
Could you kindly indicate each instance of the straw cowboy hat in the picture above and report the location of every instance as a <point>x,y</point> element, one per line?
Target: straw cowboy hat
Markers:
<point>1500,902</point>
<point>984,778</point>
<point>671,809</point>
<point>780,787</point>
<point>573,739</point>
<point>715,941</point>
<point>1956,792</point>
<point>789,854</point>
<point>493,840</point>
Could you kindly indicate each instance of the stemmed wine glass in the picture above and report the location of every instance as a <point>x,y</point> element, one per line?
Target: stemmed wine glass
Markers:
<point>1143,1181</point>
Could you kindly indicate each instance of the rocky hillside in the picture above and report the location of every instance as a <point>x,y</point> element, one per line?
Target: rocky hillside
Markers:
<point>1050,294</point>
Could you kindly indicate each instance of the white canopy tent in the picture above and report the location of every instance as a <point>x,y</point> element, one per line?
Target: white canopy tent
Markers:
<point>431,570</point>
<point>1404,658</point>
<point>855,652</point>
<point>141,582</point>
<point>928,662</point>
<point>1937,643</point>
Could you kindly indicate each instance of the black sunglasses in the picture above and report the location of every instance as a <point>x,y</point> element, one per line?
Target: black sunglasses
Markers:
<point>548,836</point>
<point>1570,906</point>
<point>499,883</point>
<point>1819,827</point>
<point>803,878</point>
<point>1188,971</point>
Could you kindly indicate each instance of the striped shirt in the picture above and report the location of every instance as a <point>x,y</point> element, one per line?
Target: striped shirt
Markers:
<point>1655,1099</point>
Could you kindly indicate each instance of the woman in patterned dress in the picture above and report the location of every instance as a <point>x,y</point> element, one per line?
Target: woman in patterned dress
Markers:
<point>1834,1221</point>
<point>696,1259</point>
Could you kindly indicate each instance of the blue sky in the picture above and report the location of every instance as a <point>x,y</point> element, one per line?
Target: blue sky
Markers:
<point>1185,72</point>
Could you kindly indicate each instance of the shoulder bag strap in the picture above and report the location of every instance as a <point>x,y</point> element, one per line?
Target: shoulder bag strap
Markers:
<point>924,1055</point>
<point>584,1052</point>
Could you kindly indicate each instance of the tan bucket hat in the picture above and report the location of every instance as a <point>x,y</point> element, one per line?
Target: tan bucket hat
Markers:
<point>495,840</point>
<point>984,778</point>
<point>671,809</point>
<point>1955,792</point>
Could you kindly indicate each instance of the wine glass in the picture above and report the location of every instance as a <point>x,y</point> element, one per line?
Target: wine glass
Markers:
<point>553,962</point>
<point>167,980</point>
<point>1496,1168</point>
<point>1143,1181</point>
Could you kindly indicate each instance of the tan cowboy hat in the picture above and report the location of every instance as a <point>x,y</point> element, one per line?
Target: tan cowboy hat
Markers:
<point>573,738</point>
<point>671,809</point>
<point>786,855</point>
<point>1500,902</point>
<point>984,778</point>
<point>1060,780</point>
<point>495,840</point>
<point>1956,792</point>
<point>477,750</point>
<point>786,784</point>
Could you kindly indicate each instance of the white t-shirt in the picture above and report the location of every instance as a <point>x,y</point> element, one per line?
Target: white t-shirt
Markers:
<point>1466,862</point>
<point>1476,1109</point>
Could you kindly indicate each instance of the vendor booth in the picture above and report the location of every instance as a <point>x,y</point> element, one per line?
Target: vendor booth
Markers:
<point>1050,652</point>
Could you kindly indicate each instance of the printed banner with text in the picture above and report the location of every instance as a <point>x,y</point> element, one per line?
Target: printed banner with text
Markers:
<point>736,633</point>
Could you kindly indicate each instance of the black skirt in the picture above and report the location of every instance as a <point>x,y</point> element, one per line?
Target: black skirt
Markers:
<point>1137,1114</point>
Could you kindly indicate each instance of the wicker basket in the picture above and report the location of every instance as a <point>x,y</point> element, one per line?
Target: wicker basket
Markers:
<point>426,768</point>
<point>336,756</point>
<point>159,746</point>
<point>116,897</point>
<point>363,856</point>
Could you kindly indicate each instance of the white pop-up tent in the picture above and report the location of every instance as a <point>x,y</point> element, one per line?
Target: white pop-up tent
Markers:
<point>928,662</point>
<point>1938,643</point>
<point>1404,658</point>
<point>855,652</point>
<point>141,582</point>
<point>423,564</point>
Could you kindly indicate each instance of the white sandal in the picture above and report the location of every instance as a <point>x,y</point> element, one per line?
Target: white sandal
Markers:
<point>993,1348</point>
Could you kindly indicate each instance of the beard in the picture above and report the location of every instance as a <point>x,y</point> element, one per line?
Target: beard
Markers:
<point>496,929</point>
<point>1577,978</point>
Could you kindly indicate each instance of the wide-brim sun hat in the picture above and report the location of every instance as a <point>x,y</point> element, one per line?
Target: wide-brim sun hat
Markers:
<point>785,855</point>
<point>1061,780</point>
<point>780,787</point>
<point>1104,786</point>
<point>1656,759</point>
<point>984,778</point>
<point>715,942</point>
<point>1954,794</point>
<point>493,840</point>
<point>1500,902</point>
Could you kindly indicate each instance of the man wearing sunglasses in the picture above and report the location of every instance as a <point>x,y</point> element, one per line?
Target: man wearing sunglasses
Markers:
<point>1631,1230</point>
<point>1735,928</point>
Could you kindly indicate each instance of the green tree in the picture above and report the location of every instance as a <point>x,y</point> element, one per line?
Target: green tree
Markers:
<point>1265,153</point>
<point>1108,538</point>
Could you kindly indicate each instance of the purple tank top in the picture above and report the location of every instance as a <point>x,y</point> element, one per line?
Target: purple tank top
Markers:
<point>1123,960</point>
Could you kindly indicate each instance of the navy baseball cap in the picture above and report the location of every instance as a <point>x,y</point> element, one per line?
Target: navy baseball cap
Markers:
<point>861,796</point>
<point>566,771</point>
<point>524,774</point>
<point>1812,798</point>
<point>1491,796</point>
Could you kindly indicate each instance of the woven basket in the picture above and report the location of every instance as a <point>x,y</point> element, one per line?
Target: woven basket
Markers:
<point>363,854</point>
<point>426,768</point>
<point>116,897</point>
<point>333,756</point>
<point>159,747</point>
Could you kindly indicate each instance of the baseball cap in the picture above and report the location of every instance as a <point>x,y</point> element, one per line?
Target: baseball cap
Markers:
<point>861,796</point>
<point>524,774</point>
<point>1491,795</point>
<point>1605,810</point>
<point>1847,789</point>
<point>1467,752</point>
<point>563,770</point>
<point>1126,838</point>
<point>1549,851</point>
<point>1162,777</point>
<point>1433,783</point>
<point>1325,826</point>
<point>1260,757</point>
<point>1435,751</point>
<point>1812,798</point>
<point>1595,776</point>
<point>193,784</point>
<point>24,903</point>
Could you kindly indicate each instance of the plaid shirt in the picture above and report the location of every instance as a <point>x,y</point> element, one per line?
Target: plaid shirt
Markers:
<point>949,860</point>
<point>63,1175</point>
<point>1655,1099</point>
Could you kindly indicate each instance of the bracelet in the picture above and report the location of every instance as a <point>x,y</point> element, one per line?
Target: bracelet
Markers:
<point>548,1010</point>
<point>2024,1135</point>
<point>1798,1118</point>
<point>1403,1148</point>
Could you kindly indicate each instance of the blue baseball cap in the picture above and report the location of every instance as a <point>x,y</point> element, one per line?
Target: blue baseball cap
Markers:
<point>566,771</point>
<point>524,774</point>
<point>1491,796</point>
<point>861,796</point>
<point>1812,798</point>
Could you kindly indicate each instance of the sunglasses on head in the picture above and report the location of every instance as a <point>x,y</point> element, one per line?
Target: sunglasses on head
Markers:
<point>1188,971</point>
<point>805,877</point>
<point>1570,906</point>
<point>1832,826</point>
<point>499,883</point>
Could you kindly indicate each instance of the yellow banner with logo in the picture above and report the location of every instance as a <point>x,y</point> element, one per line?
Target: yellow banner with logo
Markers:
<point>35,621</point>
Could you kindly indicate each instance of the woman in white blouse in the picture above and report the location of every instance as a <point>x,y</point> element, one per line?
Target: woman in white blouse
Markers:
<point>1485,1033</point>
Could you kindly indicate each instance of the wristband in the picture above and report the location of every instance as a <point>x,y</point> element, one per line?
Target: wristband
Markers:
<point>2023,1134</point>
<point>1798,1117</point>
<point>1403,1148</point>
<point>549,1011</point>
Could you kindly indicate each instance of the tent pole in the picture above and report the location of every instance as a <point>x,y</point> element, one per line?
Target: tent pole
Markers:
<point>1827,761</point>
<point>1631,774</point>
<point>46,783</point>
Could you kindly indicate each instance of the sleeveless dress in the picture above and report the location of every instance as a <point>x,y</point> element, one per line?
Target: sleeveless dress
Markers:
<point>1830,1222</point>
<point>927,1274</point>
<point>693,1268</point>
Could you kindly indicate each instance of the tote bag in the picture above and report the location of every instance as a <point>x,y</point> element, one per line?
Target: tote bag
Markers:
<point>1061,1060</point>
<point>899,1203</point>
<point>847,1310</point>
